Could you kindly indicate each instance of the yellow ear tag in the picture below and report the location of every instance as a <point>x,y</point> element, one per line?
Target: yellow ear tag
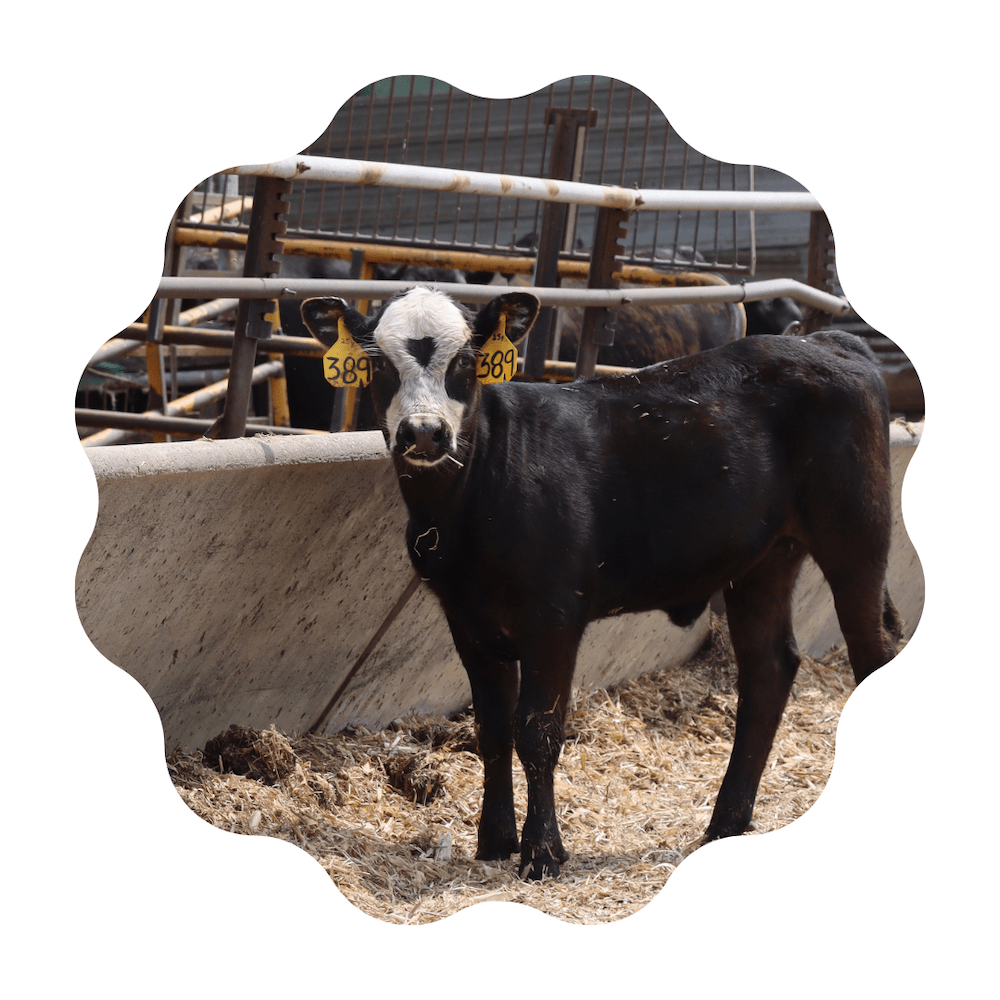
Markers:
<point>345,364</point>
<point>497,357</point>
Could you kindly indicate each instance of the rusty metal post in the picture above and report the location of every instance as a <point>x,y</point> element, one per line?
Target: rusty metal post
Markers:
<point>255,319</point>
<point>172,307</point>
<point>820,269</point>
<point>155,369</point>
<point>569,122</point>
<point>157,317</point>
<point>598,326</point>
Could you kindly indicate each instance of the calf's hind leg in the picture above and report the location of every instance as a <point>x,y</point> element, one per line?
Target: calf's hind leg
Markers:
<point>855,572</point>
<point>850,535</point>
<point>867,617</point>
<point>759,611</point>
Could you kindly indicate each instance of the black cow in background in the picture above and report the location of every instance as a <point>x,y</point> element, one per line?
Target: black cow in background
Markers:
<point>771,316</point>
<point>646,334</point>
<point>767,317</point>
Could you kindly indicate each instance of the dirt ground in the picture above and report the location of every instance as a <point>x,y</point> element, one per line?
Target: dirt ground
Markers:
<point>392,815</point>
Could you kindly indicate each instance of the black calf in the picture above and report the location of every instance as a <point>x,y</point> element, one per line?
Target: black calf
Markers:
<point>543,507</point>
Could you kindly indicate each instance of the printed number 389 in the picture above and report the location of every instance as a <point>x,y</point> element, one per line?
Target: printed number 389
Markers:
<point>354,370</point>
<point>497,364</point>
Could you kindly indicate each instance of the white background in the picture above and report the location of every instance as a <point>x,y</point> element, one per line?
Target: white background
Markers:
<point>111,886</point>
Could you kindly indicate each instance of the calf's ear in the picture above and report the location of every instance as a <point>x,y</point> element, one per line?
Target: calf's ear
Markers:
<point>321,317</point>
<point>519,310</point>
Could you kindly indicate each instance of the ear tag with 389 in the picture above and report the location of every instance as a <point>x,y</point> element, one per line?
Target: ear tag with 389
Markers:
<point>345,364</point>
<point>497,358</point>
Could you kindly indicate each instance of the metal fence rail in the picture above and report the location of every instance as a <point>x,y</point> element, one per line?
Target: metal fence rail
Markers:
<point>301,288</point>
<point>478,182</point>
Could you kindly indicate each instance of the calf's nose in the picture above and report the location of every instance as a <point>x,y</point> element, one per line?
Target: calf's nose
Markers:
<point>421,439</point>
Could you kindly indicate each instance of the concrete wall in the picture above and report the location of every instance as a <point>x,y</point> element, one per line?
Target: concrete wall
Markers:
<point>266,580</point>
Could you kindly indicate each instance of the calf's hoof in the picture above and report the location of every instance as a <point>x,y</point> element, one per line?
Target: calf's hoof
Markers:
<point>542,862</point>
<point>718,831</point>
<point>497,849</point>
<point>537,868</point>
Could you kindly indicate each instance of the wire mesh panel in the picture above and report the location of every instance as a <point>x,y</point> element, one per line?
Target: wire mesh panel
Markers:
<point>422,121</point>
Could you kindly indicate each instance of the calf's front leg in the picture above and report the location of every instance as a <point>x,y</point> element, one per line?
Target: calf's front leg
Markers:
<point>546,680</point>
<point>494,696</point>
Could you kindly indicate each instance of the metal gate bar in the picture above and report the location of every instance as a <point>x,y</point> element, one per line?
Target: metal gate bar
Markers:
<point>147,423</point>
<point>371,173</point>
<point>290,288</point>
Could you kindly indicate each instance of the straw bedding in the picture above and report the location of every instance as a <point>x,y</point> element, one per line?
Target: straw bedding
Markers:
<point>392,815</point>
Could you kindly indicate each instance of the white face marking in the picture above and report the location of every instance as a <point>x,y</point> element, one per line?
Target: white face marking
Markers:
<point>422,395</point>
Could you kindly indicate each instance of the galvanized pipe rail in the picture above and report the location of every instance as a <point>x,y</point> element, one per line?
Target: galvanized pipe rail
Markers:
<point>197,336</point>
<point>292,288</point>
<point>119,347</point>
<point>188,426</point>
<point>345,171</point>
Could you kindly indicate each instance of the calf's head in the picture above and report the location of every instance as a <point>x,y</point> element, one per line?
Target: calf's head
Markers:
<point>423,351</point>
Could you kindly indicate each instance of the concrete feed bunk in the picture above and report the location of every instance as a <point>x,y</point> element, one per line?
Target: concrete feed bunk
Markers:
<point>265,580</point>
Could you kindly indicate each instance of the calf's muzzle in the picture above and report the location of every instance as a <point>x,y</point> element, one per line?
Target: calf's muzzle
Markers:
<point>422,439</point>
